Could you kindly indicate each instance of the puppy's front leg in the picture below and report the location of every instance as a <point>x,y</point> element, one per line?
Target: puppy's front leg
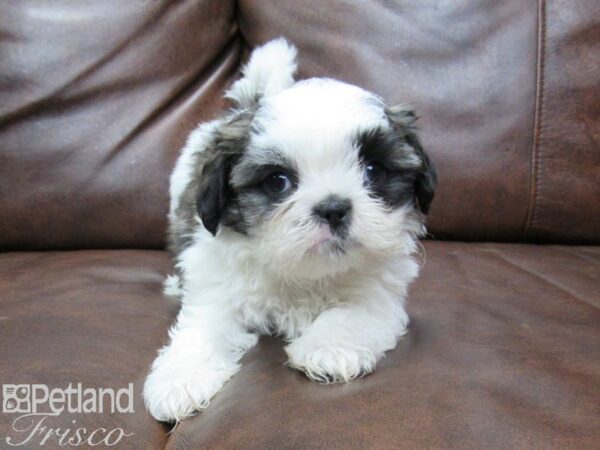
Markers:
<point>346,341</point>
<point>206,346</point>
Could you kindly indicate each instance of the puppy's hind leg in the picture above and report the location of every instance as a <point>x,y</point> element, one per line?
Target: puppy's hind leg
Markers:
<point>206,345</point>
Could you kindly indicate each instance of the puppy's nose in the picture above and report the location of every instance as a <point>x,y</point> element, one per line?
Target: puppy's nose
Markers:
<point>335,211</point>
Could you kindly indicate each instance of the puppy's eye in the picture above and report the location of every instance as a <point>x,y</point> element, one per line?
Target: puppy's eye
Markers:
<point>277,183</point>
<point>374,172</point>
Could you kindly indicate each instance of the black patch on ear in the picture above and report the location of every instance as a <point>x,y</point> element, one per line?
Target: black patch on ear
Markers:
<point>427,176</point>
<point>209,194</point>
<point>385,148</point>
<point>214,191</point>
<point>403,120</point>
<point>216,200</point>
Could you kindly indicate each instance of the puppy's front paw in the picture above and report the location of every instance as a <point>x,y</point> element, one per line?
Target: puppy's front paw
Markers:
<point>328,362</point>
<point>172,393</point>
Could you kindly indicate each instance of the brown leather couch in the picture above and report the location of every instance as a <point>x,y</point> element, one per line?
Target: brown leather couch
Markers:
<point>96,99</point>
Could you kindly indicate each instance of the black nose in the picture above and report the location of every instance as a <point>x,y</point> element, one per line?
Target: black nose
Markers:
<point>335,211</point>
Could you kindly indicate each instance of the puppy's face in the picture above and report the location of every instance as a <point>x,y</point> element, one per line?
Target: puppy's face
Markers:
<point>321,177</point>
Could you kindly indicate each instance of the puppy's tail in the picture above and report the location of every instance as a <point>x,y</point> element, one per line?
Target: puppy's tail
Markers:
<point>270,69</point>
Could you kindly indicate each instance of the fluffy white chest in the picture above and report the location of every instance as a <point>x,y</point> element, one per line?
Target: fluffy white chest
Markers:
<point>215,275</point>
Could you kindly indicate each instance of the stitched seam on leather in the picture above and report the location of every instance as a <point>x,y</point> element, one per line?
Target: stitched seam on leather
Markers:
<point>536,159</point>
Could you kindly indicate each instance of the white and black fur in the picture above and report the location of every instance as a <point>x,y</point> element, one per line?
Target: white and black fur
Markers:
<point>295,214</point>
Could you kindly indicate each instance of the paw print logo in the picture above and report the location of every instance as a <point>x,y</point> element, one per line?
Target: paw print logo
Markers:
<point>16,398</point>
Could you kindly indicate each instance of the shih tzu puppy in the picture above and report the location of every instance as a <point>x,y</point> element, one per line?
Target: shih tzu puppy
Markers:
<point>295,214</point>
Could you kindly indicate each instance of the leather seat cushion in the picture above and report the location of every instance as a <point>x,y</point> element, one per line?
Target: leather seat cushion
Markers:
<point>503,352</point>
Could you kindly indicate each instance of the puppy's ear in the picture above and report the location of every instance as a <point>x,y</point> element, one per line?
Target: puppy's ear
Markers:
<point>270,69</point>
<point>213,191</point>
<point>403,120</point>
<point>427,177</point>
<point>214,195</point>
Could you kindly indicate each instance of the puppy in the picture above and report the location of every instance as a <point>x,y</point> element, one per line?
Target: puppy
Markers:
<point>295,214</point>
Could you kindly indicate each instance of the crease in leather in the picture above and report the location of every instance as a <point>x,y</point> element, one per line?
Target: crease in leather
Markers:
<point>47,98</point>
<point>178,441</point>
<point>466,274</point>
<point>204,76</point>
<point>582,254</point>
<point>541,276</point>
<point>537,119</point>
<point>509,401</point>
<point>240,32</point>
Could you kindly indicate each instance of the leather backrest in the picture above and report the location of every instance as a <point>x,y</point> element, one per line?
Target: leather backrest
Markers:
<point>508,93</point>
<point>96,101</point>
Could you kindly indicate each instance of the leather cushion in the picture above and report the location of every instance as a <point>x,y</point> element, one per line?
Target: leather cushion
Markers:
<point>90,317</point>
<point>503,351</point>
<point>96,99</point>
<point>566,154</point>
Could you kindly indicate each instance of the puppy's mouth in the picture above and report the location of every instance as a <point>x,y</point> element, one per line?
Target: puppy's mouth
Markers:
<point>328,242</point>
